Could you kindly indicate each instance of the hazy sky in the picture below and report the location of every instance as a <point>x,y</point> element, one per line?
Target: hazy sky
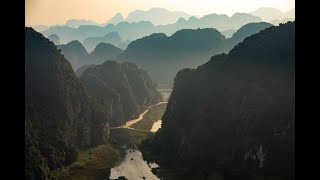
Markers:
<point>51,12</point>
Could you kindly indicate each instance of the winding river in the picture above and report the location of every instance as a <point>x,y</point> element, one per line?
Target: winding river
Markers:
<point>133,166</point>
<point>133,121</point>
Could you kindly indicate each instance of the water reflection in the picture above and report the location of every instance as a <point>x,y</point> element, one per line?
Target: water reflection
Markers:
<point>134,167</point>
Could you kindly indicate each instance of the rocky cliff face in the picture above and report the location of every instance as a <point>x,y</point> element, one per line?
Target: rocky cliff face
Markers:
<point>123,90</point>
<point>236,113</point>
<point>59,116</point>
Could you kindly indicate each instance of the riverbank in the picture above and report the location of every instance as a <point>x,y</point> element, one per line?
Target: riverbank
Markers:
<point>93,163</point>
<point>96,163</point>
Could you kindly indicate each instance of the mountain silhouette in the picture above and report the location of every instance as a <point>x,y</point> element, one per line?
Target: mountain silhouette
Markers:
<point>115,19</point>
<point>54,38</point>
<point>40,28</point>
<point>246,31</point>
<point>163,56</point>
<point>135,30</point>
<point>75,23</point>
<point>104,52</point>
<point>186,48</point>
<point>220,22</point>
<point>111,37</point>
<point>228,33</point>
<point>270,14</point>
<point>75,53</point>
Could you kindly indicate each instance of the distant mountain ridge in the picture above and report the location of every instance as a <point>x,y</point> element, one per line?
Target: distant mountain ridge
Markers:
<point>136,30</point>
<point>115,19</point>
<point>75,23</point>
<point>186,48</point>
<point>244,32</point>
<point>77,55</point>
<point>270,14</point>
<point>111,37</point>
<point>54,38</point>
<point>157,16</point>
<point>104,52</point>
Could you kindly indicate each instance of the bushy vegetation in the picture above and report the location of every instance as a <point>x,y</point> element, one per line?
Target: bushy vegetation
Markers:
<point>102,156</point>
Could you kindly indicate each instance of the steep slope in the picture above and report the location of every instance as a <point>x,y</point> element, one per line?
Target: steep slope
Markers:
<point>123,90</point>
<point>75,53</point>
<point>245,31</point>
<point>59,116</point>
<point>104,52</point>
<point>235,115</point>
<point>111,38</point>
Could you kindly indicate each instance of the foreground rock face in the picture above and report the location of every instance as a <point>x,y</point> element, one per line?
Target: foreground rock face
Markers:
<point>236,113</point>
<point>59,116</point>
<point>122,90</point>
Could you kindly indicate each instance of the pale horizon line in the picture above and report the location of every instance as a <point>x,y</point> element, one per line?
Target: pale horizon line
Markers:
<point>148,9</point>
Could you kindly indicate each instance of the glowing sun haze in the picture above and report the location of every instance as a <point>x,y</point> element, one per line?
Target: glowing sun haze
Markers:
<point>51,12</point>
